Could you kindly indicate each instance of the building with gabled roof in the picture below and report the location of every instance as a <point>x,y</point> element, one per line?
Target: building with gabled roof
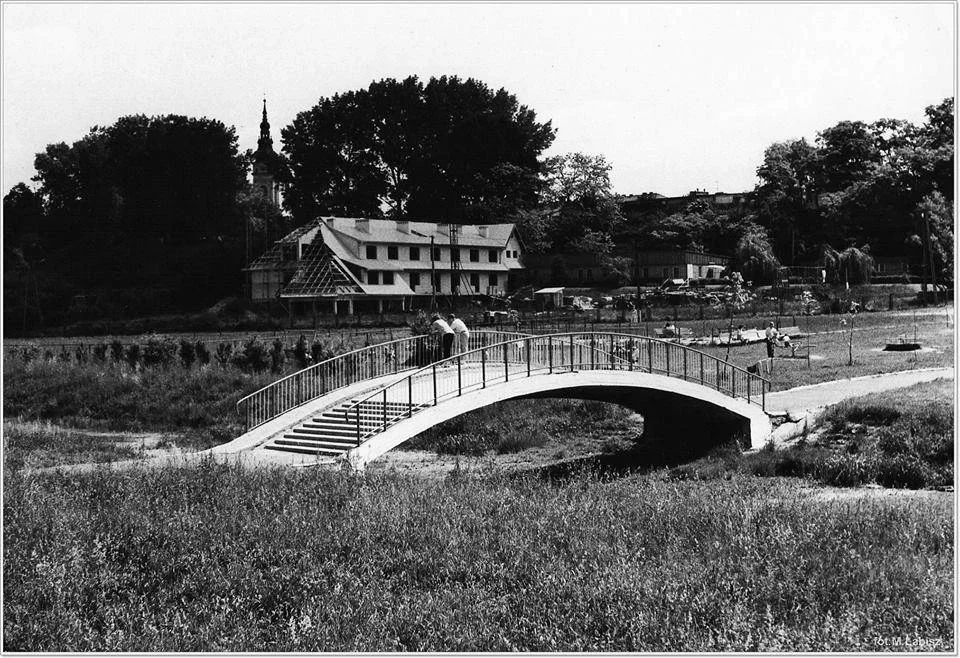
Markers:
<point>385,263</point>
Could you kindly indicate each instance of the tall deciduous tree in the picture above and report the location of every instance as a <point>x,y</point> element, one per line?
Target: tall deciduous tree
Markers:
<point>452,149</point>
<point>149,202</point>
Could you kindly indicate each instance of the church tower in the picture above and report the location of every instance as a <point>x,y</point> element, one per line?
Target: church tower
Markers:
<point>264,163</point>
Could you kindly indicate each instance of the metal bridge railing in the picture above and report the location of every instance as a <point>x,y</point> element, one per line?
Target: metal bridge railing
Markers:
<point>365,363</point>
<point>556,353</point>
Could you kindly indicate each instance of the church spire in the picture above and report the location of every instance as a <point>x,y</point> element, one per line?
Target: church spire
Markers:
<point>265,143</point>
<point>265,162</point>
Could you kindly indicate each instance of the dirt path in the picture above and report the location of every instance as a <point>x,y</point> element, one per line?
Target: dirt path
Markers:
<point>815,396</point>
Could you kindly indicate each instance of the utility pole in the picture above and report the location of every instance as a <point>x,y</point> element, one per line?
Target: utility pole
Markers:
<point>928,254</point>
<point>433,276</point>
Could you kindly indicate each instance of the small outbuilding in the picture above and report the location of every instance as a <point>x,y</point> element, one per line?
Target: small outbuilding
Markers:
<point>547,298</point>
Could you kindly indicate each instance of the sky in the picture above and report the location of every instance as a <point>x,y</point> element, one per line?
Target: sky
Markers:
<point>676,96</point>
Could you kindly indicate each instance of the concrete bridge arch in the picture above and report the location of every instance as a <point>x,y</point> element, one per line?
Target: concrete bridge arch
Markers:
<point>670,406</point>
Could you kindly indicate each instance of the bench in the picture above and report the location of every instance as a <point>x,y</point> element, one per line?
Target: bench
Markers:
<point>679,333</point>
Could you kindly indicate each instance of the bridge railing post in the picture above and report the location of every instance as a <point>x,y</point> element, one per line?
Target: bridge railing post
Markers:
<point>571,353</point>
<point>358,425</point>
<point>685,350</point>
<point>459,376</point>
<point>668,346</point>
<point>434,384</point>
<point>409,397</point>
<point>749,377</point>
<point>701,368</point>
<point>550,353</point>
<point>384,411</point>
<point>528,355</point>
<point>506,363</point>
<point>483,368</point>
<point>717,363</point>
<point>649,355</point>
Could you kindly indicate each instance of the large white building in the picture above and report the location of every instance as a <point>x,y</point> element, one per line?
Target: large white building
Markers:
<point>335,262</point>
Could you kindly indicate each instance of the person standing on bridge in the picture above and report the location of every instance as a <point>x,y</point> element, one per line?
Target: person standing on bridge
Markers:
<point>461,335</point>
<point>444,334</point>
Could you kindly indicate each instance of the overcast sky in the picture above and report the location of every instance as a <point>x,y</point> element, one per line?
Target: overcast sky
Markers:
<point>676,96</point>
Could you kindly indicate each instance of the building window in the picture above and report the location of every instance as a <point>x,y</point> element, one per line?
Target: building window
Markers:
<point>373,278</point>
<point>437,282</point>
<point>475,282</point>
<point>492,255</point>
<point>414,279</point>
<point>474,255</point>
<point>414,253</point>
<point>666,272</point>
<point>454,254</point>
<point>393,252</point>
<point>493,279</point>
<point>436,254</point>
<point>388,278</point>
<point>372,251</point>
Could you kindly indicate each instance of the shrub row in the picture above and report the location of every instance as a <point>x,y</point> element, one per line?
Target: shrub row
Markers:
<point>253,355</point>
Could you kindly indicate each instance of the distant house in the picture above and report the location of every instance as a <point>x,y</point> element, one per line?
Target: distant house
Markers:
<point>345,264</point>
<point>636,205</point>
<point>655,266</point>
<point>644,267</point>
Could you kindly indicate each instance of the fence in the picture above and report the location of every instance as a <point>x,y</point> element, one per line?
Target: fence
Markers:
<point>362,364</point>
<point>524,356</point>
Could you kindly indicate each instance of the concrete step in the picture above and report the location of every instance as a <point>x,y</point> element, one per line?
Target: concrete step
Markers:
<point>345,433</point>
<point>303,449</point>
<point>327,446</point>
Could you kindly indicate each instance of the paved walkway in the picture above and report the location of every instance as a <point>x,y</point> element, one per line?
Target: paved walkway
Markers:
<point>808,398</point>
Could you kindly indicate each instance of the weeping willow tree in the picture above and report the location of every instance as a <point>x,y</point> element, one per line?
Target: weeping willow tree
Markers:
<point>830,261</point>
<point>754,257</point>
<point>856,265</point>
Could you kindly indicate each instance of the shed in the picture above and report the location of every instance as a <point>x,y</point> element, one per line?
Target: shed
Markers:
<point>549,297</point>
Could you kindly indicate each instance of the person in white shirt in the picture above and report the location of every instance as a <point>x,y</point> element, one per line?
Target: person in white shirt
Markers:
<point>771,335</point>
<point>444,333</point>
<point>461,335</point>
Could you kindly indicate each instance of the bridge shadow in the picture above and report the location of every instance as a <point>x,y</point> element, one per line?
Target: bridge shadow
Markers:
<point>650,453</point>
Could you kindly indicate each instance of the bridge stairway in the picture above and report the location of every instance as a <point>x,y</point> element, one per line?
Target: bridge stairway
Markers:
<point>330,433</point>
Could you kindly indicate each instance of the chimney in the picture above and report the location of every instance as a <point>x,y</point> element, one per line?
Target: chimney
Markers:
<point>482,230</point>
<point>362,224</point>
<point>403,225</point>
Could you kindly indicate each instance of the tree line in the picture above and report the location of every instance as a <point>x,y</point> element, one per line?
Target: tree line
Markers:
<point>153,214</point>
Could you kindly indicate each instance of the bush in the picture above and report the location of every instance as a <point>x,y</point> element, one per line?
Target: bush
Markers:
<point>116,351</point>
<point>301,354</point>
<point>100,352</point>
<point>224,354</point>
<point>132,354</point>
<point>253,356</point>
<point>188,353</point>
<point>30,352</point>
<point>159,351</point>
<point>277,356</point>
<point>203,354</point>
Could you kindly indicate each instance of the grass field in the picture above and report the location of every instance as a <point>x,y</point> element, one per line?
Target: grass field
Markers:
<point>215,558</point>
<point>721,554</point>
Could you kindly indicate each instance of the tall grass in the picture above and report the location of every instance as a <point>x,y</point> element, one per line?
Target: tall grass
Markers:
<point>116,398</point>
<point>37,444</point>
<point>215,558</point>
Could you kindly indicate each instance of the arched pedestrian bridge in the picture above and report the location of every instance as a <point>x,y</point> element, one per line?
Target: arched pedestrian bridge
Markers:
<point>360,405</point>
